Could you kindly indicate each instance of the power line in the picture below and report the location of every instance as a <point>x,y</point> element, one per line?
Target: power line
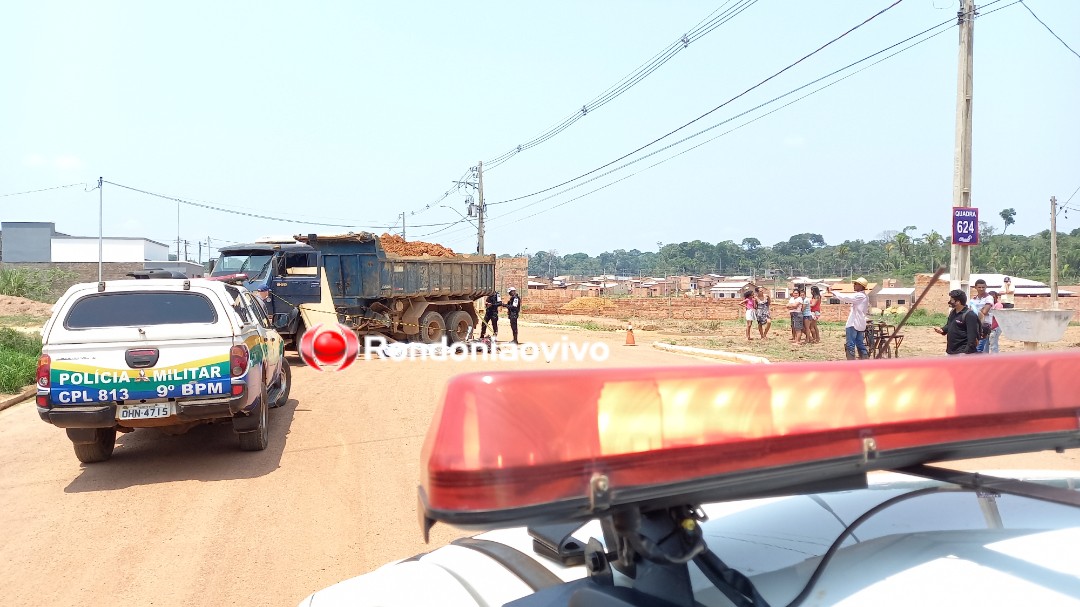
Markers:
<point>70,185</point>
<point>740,115</point>
<point>443,229</point>
<point>255,215</point>
<point>662,137</point>
<point>702,29</point>
<point>1048,28</point>
<point>459,183</point>
<point>750,111</point>
<point>1073,194</point>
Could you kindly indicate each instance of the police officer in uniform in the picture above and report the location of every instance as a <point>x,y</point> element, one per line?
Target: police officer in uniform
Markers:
<point>513,308</point>
<point>491,314</point>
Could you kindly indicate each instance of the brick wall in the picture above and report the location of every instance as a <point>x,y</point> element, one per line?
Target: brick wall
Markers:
<point>82,271</point>
<point>512,272</point>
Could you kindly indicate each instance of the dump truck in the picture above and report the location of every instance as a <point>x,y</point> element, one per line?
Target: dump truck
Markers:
<point>351,279</point>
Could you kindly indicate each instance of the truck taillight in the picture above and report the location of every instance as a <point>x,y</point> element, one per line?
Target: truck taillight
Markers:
<point>44,367</point>
<point>238,360</point>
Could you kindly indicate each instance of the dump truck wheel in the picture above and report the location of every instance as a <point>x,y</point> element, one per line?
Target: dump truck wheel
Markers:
<point>432,327</point>
<point>458,324</point>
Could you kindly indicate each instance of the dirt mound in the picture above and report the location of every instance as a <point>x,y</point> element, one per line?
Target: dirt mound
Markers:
<point>587,304</point>
<point>396,245</point>
<point>14,306</point>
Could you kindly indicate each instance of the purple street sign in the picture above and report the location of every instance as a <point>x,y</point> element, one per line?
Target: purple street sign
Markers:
<point>965,225</point>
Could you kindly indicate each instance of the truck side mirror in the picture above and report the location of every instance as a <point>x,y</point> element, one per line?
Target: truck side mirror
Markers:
<point>281,320</point>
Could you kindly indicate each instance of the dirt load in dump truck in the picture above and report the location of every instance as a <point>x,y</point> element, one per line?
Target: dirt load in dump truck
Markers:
<point>408,291</point>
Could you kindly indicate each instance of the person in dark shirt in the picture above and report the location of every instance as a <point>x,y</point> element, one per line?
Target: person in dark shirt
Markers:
<point>961,331</point>
<point>513,308</point>
<point>491,314</point>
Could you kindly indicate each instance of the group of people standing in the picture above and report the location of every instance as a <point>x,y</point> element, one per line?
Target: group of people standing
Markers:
<point>491,313</point>
<point>971,327</point>
<point>804,312</point>
<point>804,308</point>
<point>758,306</point>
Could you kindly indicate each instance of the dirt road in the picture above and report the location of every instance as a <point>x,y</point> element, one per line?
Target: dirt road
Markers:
<point>191,520</point>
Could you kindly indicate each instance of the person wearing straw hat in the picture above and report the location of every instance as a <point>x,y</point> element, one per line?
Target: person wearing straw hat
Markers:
<point>855,329</point>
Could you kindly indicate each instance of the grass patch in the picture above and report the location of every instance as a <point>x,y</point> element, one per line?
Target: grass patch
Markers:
<point>39,285</point>
<point>18,360</point>
<point>588,325</point>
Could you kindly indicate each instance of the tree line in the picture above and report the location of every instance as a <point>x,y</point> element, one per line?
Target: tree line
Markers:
<point>894,253</point>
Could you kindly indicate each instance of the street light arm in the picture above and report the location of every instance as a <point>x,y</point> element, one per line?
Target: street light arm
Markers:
<point>459,213</point>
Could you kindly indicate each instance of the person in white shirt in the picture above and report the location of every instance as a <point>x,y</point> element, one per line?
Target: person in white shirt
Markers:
<point>855,330</point>
<point>795,310</point>
<point>1007,296</point>
<point>983,305</point>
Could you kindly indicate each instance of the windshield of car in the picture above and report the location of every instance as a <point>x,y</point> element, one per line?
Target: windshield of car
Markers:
<point>140,309</point>
<point>252,263</point>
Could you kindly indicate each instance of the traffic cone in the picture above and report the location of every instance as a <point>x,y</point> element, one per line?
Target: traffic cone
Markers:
<point>630,336</point>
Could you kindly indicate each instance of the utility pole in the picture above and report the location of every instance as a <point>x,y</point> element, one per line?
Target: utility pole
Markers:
<point>403,225</point>
<point>101,207</point>
<point>960,263</point>
<point>1053,254</point>
<point>200,252</point>
<point>185,251</point>
<point>480,208</point>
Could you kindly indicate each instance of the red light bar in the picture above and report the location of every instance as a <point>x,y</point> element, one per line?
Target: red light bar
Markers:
<point>504,448</point>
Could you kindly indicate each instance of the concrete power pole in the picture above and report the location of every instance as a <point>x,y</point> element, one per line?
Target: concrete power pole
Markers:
<point>480,208</point>
<point>960,262</point>
<point>1053,254</point>
<point>403,225</point>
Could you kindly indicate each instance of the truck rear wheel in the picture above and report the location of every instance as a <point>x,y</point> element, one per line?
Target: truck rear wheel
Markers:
<point>458,324</point>
<point>259,438</point>
<point>99,450</point>
<point>432,327</point>
<point>284,385</point>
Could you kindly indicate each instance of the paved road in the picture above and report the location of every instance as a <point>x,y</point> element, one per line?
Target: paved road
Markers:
<point>191,520</point>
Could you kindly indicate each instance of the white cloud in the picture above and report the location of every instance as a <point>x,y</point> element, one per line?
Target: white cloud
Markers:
<point>63,162</point>
<point>67,162</point>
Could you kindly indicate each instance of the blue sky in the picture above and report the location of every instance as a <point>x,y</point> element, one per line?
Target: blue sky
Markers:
<point>353,112</point>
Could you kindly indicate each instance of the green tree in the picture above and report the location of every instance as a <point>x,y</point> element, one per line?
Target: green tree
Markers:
<point>1009,216</point>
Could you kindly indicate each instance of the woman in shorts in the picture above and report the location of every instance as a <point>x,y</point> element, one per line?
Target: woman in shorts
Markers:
<point>815,312</point>
<point>749,304</point>
<point>795,310</point>
<point>762,301</point>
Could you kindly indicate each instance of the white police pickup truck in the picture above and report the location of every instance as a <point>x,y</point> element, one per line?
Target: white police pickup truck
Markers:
<point>166,353</point>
